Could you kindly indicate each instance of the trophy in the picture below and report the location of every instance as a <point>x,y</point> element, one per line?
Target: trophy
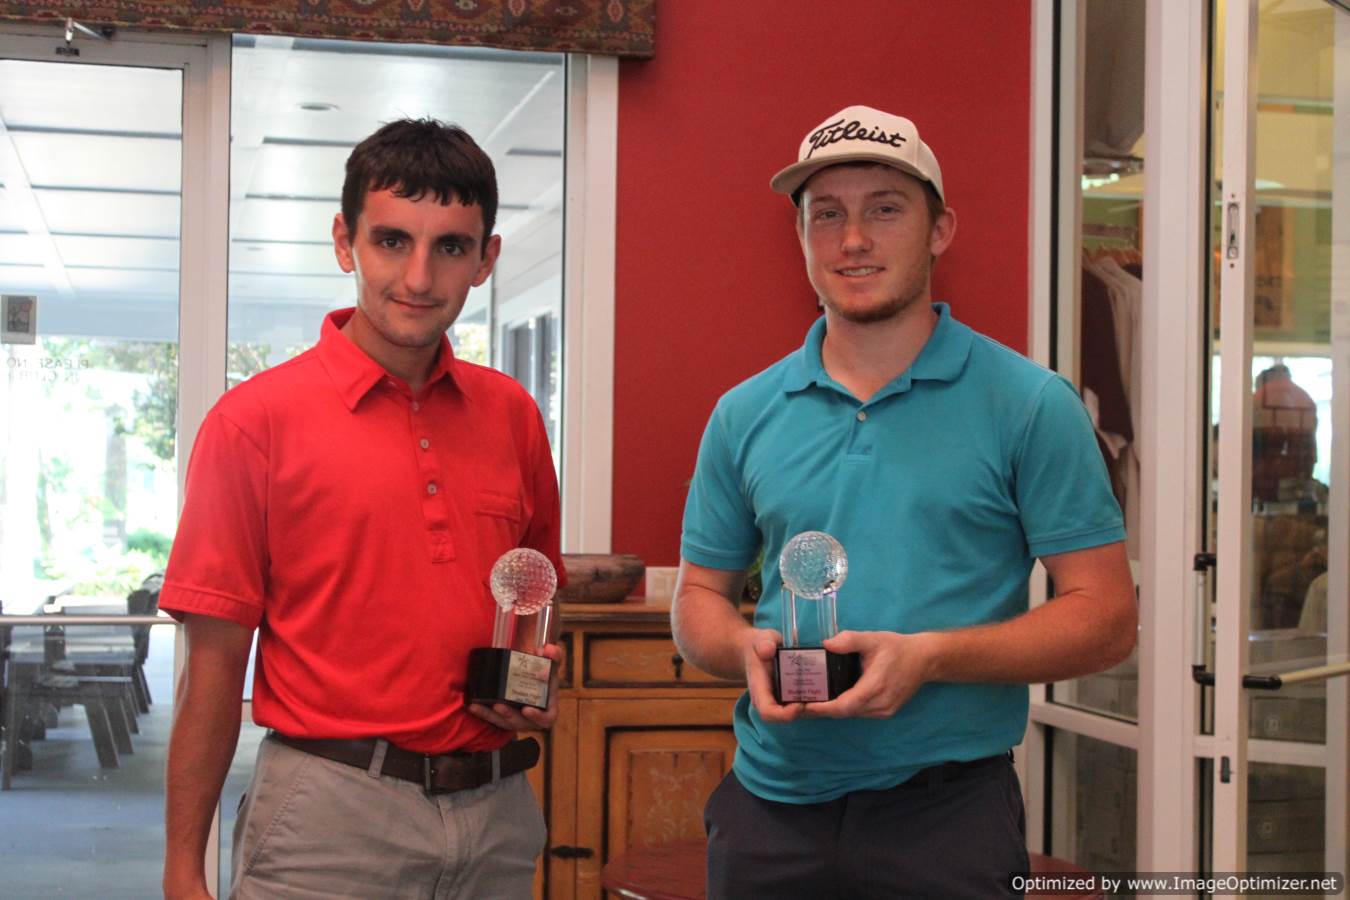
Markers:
<point>813,566</point>
<point>523,582</point>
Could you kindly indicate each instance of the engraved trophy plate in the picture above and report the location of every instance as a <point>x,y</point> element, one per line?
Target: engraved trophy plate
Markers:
<point>813,566</point>
<point>802,675</point>
<point>523,582</point>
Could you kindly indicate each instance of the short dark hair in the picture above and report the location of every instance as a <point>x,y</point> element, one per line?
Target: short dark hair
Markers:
<point>930,195</point>
<point>415,157</point>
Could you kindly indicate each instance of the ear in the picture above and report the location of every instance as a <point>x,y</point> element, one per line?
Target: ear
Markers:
<point>490,252</point>
<point>944,229</point>
<point>799,222</point>
<point>342,244</point>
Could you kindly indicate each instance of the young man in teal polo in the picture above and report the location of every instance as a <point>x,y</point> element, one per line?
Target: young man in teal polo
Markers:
<point>945,464</point>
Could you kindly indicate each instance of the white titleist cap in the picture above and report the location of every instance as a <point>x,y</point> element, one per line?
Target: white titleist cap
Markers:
<point>861,134</point>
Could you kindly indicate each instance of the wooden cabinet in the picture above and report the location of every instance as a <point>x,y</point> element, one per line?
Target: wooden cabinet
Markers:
<point>641,739</point>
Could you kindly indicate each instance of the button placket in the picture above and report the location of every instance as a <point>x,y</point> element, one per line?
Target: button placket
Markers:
<point>435,511</point>
<point>859,437</point>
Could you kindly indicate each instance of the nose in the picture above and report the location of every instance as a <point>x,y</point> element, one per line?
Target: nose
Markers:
<point>417,272</point>
<point>855,237</point>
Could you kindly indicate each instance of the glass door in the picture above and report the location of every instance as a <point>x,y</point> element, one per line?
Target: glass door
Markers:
<point>91,212</point>
<point>1085,733</point>
<point>1279,346</point>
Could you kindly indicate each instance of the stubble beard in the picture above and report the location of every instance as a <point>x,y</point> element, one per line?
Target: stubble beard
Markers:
<point>902,302</point>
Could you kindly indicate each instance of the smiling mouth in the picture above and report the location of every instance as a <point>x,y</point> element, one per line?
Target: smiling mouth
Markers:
<point>859,271</point>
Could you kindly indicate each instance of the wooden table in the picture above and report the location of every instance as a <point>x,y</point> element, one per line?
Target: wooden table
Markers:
<point>676,872</point>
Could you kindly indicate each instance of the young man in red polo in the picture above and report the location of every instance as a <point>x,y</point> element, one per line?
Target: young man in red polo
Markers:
<point>349,505</point>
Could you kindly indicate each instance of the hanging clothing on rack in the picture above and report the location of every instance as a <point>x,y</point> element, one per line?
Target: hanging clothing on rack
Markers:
<point>1125,300</point>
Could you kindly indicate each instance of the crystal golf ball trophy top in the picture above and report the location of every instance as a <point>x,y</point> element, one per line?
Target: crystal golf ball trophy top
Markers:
<point>812,566</point>
<point>523,582</point>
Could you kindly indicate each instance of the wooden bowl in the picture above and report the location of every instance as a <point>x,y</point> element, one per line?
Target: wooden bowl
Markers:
<point>600,577</point>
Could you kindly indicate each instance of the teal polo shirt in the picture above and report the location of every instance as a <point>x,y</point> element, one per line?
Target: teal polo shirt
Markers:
<point>943,489</point>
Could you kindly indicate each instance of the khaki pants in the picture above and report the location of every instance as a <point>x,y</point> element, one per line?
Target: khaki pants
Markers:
<point>312,828</point>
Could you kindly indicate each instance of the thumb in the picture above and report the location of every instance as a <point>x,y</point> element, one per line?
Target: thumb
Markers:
<point>847,642</point>
<point>766,644</point>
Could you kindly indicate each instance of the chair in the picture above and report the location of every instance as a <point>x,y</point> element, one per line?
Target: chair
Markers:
<point>144,601</point>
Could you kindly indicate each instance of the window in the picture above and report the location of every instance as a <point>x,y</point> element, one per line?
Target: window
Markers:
<point>114,199</point>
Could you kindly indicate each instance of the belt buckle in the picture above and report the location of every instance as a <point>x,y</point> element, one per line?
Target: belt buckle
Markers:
<point>486,768</point>
<point>428,787</point>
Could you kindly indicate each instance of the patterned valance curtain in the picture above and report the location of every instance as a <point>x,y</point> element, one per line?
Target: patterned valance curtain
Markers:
<point>612,27</point>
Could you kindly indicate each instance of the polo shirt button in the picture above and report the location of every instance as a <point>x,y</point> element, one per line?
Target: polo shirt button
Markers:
<point>424,443</point>
<point>431,488</point>
<point>416,406</point>
<point>862,416</point>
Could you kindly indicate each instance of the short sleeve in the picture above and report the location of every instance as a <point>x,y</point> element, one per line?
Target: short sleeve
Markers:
<point>1063,492</point>
<point>219,560</point>
<point>719,525</point>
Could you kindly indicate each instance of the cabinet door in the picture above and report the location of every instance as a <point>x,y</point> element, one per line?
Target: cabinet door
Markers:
<point>540,777</point>
<point>644,770</point>
<point>553,787</point>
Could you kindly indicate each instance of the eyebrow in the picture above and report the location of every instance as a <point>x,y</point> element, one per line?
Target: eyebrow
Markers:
<point>873,195</point>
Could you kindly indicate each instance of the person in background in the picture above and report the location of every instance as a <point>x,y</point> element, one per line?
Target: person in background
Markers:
<point>1289,528</point>
<point>1284,441</point>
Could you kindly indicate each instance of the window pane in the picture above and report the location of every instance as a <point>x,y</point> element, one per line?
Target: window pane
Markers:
<point>1110,290</point>
<point>1299,132</point>
<point>1291,376</point>
<point>84,816</point>
<point>89,267</point>
<point>1093,803</point>
<point>1291,367</point>
<point>89,248</point>
<point>1286,818</point>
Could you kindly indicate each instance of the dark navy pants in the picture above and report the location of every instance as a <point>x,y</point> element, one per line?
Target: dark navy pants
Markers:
<point>947,832</point>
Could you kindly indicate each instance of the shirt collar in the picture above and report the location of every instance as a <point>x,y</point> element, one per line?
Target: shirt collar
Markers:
<point>942,358</point>
<point>354,373</point>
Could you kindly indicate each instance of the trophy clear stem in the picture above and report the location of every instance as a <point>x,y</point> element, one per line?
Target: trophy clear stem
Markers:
<point>503,629</point>
<point>543,623</point>
<point>828,619</point>
<point>790,620</point>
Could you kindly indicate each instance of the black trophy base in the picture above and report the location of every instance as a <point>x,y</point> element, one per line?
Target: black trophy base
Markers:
<point>813,674</point>
<point>513,677</point>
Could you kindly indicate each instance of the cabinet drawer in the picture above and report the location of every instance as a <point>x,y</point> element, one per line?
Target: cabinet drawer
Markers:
<point>620,660</point>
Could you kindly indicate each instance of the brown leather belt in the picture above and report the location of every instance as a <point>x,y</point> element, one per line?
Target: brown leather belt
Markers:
<point>458,771</point>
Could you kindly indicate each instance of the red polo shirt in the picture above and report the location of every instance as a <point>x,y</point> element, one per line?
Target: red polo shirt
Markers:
<point>355,526</point>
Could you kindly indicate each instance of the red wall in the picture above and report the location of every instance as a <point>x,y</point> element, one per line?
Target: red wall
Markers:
<point>710,283</point>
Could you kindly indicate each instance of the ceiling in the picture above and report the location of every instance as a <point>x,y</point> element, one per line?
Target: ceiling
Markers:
<point>90,160</point>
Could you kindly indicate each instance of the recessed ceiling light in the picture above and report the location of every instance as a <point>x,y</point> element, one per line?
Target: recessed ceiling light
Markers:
<point>318,107</point>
